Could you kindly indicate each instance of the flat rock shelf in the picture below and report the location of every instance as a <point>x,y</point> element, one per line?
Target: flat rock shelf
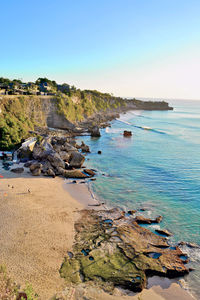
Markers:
<point>111,247</point>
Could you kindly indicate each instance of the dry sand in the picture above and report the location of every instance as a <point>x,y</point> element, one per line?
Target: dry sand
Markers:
<point>37,230</point>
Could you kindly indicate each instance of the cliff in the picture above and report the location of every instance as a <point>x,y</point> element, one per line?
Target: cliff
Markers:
<point>20,114</point>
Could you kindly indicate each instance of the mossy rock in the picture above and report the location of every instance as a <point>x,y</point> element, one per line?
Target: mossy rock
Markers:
<point>70,270</point>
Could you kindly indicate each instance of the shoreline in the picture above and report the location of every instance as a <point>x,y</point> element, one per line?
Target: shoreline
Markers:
<point>60,198</point>
<point>158,287</point>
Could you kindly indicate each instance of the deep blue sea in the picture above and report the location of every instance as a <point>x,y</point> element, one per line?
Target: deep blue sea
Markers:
<point>157,169</point>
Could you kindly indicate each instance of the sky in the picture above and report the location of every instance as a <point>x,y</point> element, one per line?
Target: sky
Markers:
<point>131,48</point>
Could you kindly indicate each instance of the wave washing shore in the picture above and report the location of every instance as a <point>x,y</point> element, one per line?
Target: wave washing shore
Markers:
<point>157,169</point>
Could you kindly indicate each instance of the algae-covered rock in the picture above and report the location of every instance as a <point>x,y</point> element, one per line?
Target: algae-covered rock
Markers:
<point>111,247</point>
<point>70,270</point>
<point>110,264</point>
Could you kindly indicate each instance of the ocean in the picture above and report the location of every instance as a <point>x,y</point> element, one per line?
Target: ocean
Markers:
<point>158,169</point>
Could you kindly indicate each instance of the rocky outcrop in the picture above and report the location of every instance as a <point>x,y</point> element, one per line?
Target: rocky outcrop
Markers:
<point>143,220</point>
<point>36,169</point>
<point>89,172</point>
<point>95,132</point>
<point>59,156</point>
<point>76,160</point>
<point>111,247</point>
<point>127,133</point>
<point>74,174</point>
<point>50,173</point>
<point>55,160</point>
<point>84,147</point>
<point>164,232</point>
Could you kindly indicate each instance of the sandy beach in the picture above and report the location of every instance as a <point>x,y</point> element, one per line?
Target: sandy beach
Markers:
<point>37,218</point>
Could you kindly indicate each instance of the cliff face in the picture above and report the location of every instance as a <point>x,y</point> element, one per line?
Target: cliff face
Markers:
<point>19,114</point>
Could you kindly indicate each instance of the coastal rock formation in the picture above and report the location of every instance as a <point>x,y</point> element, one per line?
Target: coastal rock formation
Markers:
<point>84,147</point>
<point>59,156</point>
<point>50,173</point>
<point>127,133</point>
<point>75,112</point>
<point>143,220</point>
<point>89,172</point>
<point>42,149</point>
<point>55,160</point>
<point>74,174</point>
<point>95,132</point>
<point>36,168</point>
<point>111,247</point>
<point>163,232</point>
<point>76,160</point>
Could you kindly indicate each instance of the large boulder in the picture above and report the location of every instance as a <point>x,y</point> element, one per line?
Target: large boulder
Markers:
<point>95,132</point>
<point>60,171</point>
<point>24,153</point>
<point>45,166</point>
<point>57,148</point>
<point>84,147</point>
<point>35,165</point>
<point>56,140</point>
<point>36,172</point>
<point>64,155</point>
<point>68,148</point>
<point>50,173</point>
<point>76,160</point>
<point>36,169</point>
<point>42,150</point>
<point>55,160</point>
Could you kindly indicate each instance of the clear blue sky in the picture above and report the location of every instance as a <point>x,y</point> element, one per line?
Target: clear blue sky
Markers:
<point>126,47</point>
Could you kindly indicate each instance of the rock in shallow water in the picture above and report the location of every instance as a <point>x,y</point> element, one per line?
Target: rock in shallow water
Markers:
<point>95,132</point>
<point>127,133</point>
<point>143,220</point>
<point>164,232</point>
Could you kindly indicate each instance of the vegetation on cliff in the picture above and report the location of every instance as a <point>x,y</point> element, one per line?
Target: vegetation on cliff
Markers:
<point>17,118</point>
<point>21,113</point>
<point>14,123</point>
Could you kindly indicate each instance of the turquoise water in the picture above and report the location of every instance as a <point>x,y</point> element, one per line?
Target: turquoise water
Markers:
<point>158,169</point>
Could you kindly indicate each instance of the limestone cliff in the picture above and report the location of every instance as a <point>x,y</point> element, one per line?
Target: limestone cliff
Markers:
<point>20,114</point>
